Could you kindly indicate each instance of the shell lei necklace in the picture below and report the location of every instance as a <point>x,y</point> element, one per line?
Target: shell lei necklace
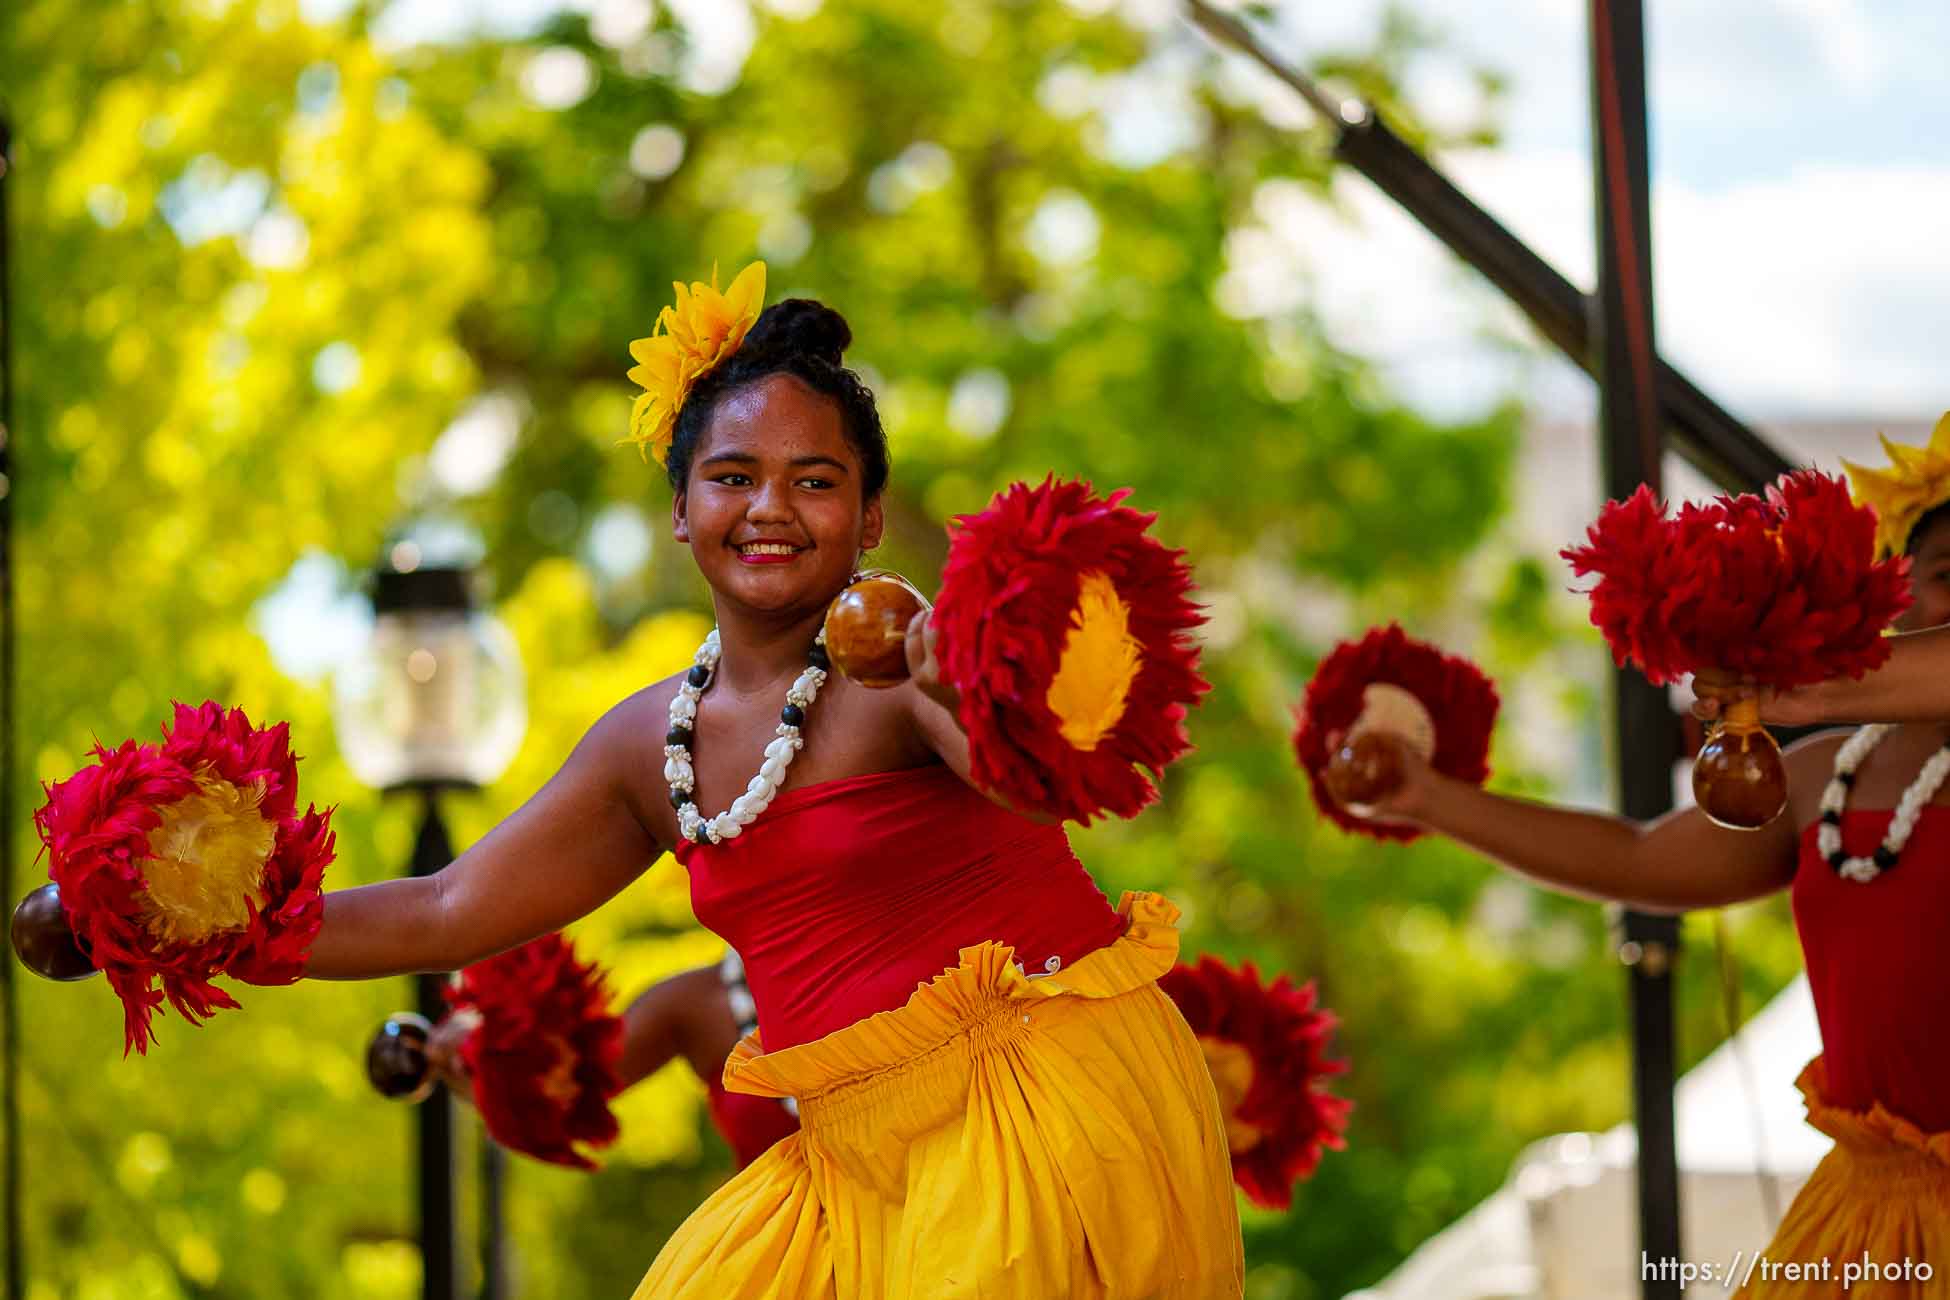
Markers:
<point>682,776</point>
<point>1828,839</point>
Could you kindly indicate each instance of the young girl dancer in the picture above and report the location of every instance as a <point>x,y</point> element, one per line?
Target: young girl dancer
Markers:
<point>1864,849</point>
<point>997,1099</point>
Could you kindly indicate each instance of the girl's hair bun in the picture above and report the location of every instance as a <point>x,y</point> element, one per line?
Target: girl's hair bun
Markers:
<point>804,339</point>
<point>800,326</point>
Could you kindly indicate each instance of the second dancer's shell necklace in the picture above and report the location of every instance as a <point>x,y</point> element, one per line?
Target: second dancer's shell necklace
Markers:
<point>1828,838</point>
<point>681,775</point>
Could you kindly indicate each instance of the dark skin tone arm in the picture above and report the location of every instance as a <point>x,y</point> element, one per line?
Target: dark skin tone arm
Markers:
<point>687,1015</point>
<point>1684,861</point>
<point>1675,863</point>
<point>526,877</point>
<point>932,710</point>
<point>1914,686</point>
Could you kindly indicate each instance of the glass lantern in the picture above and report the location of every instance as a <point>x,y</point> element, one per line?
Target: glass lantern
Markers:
<point>436,697</point>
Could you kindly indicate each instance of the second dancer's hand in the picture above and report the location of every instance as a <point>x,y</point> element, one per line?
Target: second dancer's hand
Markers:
<point>1408,803</point>
<point>1716,692</point>
<point>443,1054</point>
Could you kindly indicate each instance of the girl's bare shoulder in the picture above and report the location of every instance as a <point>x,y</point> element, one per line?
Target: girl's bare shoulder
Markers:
<point>641,715</point>
<point>1810,762</point>
<point>629,739</point>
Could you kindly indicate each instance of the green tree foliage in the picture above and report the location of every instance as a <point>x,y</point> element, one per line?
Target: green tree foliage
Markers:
<point>264,263</point>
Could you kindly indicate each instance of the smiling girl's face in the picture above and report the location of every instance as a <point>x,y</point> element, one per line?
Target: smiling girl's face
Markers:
<point>773,508</point>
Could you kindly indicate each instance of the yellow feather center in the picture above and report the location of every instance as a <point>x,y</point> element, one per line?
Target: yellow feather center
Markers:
<point>209,862</point>
<point>1232,1075</point>
<point>1100,661</point>
<point>558,1082</point>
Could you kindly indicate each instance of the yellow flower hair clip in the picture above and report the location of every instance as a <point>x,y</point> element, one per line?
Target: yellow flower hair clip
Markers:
<point>693,334</point>
<point>1916,482</point>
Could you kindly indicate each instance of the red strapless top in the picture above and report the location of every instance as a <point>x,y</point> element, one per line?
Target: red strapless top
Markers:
<point>1879,969</point>
<point>844,896</point>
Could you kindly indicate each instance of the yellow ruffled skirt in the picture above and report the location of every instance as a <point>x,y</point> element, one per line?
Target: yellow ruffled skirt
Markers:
<point>1873,1221</point>
<point>998,1137</point>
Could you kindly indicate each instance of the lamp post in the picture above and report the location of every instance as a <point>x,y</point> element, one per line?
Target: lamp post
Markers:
<point>434,702</point>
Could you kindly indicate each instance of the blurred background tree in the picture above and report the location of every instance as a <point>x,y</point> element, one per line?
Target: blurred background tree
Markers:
<point>288,273</point>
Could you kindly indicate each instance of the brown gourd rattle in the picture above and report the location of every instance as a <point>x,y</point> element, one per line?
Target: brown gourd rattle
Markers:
<point>866,628</point>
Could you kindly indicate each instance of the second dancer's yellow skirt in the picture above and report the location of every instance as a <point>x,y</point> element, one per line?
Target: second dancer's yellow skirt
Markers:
<point>996,1138</point>
<point>1873,1221</point>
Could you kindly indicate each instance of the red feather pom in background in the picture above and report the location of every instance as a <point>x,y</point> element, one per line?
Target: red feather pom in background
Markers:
<point>1457,695</point>
<point>544,1055</point>
<point>1266,1046</point>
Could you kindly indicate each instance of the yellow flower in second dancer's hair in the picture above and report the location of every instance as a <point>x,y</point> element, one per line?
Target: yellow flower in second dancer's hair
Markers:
<point>693,334</point>
<point>1916,482</point>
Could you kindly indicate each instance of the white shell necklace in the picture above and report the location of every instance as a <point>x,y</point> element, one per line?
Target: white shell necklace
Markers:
<point>1828,838</point>
<point>682,776</point>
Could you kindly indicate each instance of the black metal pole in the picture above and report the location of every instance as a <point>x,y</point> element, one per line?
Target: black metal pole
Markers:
<point>494,1239</point>
<point>1714,441</point>
<point>9,981</point>
<point>439,1238</point>
<point>1647,731</point>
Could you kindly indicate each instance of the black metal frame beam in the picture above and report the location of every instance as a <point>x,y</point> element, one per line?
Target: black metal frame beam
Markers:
<point>1701,430</point>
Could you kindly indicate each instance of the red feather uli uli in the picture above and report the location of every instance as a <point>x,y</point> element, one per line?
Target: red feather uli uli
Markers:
<point>1458,697</point>
<point>544,1056</point>
<point>1266,1045</point>
<point>183,861</point>
<point>1057,602</point>
<point>1783,587</point>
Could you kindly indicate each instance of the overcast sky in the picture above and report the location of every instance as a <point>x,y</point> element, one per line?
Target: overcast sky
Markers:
<point>1801,198</point>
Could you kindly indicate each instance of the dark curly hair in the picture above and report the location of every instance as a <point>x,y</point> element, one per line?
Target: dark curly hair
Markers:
<point>1931,518</point>
<point>804,339</point>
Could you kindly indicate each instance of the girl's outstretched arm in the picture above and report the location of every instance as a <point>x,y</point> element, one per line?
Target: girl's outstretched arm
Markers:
<point>687,1015</point>
<point>1675,863</point>
<point>572,846</point>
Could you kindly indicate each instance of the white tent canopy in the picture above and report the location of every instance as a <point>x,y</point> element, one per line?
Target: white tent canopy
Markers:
<point>1566,1223</point>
